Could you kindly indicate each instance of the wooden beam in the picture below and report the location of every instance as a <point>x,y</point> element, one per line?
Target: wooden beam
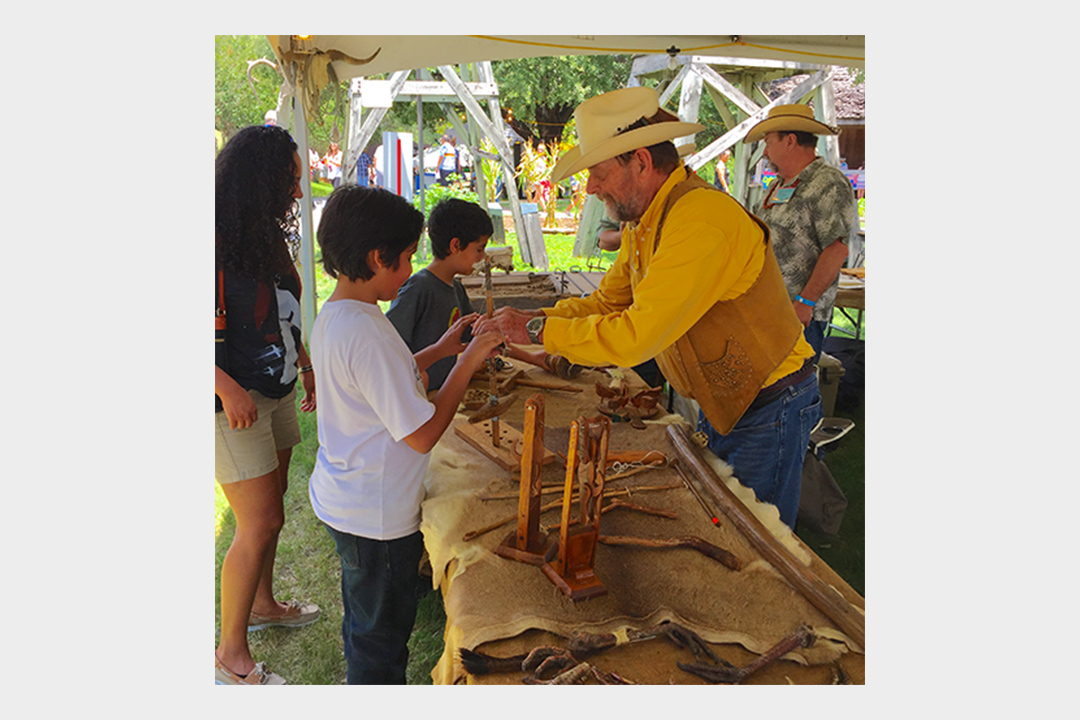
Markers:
<point>716,80</point>
<point>372,121</point>
<point>822,596</point>
<point>690,96</point>
<point>532,248</point>
<point>737,133</point>
<point>825,111</point>
<point>669,88</point>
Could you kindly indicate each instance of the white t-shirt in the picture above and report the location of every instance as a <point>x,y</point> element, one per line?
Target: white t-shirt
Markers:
<point>370,395</point>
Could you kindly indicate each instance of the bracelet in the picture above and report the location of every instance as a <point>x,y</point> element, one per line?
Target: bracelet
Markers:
<point>804,301</point>
<point>305,369</point>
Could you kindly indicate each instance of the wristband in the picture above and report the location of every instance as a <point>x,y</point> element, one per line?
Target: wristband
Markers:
<point>305,369</point>
<point>804,301</point>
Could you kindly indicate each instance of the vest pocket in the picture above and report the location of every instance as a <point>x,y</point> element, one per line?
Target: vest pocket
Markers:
<point>731,372</point>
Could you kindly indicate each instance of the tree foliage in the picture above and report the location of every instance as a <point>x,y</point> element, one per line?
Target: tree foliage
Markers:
<point>236,105</point>
<point>540,94</point>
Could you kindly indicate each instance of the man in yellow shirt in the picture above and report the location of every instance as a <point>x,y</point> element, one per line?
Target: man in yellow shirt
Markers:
<point>695,285</point>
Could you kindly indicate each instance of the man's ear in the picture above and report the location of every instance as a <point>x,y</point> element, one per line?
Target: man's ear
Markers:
<point>645,158</point>
<point>455,245</point>
<point>373,261</point>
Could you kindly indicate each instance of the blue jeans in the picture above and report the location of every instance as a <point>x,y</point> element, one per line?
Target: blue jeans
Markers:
<point>378,592</point>
<point>815,335</point>
<point>767,446</point>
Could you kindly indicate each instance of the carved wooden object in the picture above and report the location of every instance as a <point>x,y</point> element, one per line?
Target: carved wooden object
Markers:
<point>572,568</point>
<point>527,544</point>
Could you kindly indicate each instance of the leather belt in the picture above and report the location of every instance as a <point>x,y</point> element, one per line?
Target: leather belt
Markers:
<point>773,392</point>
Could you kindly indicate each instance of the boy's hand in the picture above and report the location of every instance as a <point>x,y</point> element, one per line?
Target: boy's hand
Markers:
<point>484,345</point>
<point>450,342</point>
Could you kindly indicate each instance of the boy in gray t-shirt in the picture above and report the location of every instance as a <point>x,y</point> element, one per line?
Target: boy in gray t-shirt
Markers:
<point>432,299</point>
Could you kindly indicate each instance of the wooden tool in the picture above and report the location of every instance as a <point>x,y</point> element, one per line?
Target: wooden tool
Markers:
<point>518,377</point>
<point>479,436</point>
<point>586,460</point>
<point>526,544</point>
<point>825,598</point>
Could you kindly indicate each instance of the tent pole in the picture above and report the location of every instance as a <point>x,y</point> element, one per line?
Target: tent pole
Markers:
<point>307,237</point>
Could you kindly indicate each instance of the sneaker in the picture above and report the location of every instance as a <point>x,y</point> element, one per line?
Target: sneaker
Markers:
<point>259,676</point>
<point>298,614</point>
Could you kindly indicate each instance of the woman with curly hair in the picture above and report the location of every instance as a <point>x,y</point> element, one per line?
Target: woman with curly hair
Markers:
<point>257,180</point>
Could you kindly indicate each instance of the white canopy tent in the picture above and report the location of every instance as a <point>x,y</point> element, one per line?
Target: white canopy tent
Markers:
<point>308,62</point>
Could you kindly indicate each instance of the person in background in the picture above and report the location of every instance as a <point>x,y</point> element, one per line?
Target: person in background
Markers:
<point>447,160</point>
<point>332,161</point>
<point>364,168</point>
<point>376,424</point>
<point>696,286</point>
<point>257,180</point>
<point>723,175</point>
<point>810,210</point>
<point>378,160</point>
<point>433,299</point>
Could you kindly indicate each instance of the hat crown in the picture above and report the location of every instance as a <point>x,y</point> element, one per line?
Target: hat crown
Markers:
<point>603,117</point>
<point>782,112</point>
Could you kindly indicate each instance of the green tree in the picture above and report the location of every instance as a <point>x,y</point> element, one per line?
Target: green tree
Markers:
<point>539,94</point>
<point>236,105</point>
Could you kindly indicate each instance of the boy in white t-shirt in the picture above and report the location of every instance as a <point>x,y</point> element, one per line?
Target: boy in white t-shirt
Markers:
<point>376,425</point>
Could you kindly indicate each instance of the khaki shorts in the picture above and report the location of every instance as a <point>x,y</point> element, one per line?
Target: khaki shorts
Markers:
<point>252,452</point>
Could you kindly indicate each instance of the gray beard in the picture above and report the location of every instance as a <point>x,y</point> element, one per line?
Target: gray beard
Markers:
<point>620,212</point>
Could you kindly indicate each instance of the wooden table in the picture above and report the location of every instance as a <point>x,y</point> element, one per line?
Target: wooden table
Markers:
<point>851,295</point>
<point>503,592</point>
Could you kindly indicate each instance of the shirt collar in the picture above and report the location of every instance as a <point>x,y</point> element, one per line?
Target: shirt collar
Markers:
<point>652,213</point>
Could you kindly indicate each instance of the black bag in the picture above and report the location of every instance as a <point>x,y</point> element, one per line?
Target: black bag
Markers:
<point>821,503</point>
<point>221,355</point>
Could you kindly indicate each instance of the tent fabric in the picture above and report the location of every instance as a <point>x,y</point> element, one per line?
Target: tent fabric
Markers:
<point>406,52</point>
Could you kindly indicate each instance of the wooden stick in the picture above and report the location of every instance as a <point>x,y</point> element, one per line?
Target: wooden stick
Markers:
<point>722,556</point>
<point>472,534</point>
<point>826,599</point>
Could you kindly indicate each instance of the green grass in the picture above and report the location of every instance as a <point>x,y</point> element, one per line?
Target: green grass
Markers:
<point>307,564</point>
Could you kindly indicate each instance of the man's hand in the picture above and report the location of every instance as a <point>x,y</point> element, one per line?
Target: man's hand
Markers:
<point>804,312</point>
<point>511,323</point>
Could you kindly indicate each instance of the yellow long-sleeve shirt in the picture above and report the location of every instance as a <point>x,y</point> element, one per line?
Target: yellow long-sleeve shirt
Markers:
<point>711,250</point>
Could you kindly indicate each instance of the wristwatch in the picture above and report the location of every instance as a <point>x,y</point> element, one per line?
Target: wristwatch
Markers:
<point>534,327</point>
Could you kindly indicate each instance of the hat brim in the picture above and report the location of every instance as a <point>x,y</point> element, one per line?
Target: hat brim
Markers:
<point>573,160</point>
<point>790,123</point>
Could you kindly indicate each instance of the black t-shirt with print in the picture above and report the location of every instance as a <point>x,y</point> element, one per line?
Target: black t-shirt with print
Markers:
<point>262,332</point>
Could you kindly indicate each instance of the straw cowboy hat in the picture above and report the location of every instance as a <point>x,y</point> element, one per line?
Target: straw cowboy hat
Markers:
<point>601,128</point>
<point>789,118</point>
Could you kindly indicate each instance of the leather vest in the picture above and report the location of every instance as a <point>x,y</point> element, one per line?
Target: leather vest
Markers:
<point>723,361</point>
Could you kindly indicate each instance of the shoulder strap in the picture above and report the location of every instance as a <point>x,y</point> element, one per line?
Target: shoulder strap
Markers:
<point>221,294</point>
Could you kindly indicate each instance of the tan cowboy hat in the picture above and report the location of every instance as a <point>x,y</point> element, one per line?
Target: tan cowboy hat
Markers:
<point>789,118</point>
<point>601,122</point>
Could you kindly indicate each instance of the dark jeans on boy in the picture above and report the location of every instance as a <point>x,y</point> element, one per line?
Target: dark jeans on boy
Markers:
<point>378,591</point>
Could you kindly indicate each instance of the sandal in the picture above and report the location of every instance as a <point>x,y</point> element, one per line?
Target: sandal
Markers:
<point>297,614</point>
<point>259,676</point>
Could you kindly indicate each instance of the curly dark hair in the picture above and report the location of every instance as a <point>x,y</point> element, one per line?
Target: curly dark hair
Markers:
<point>254,179</point>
